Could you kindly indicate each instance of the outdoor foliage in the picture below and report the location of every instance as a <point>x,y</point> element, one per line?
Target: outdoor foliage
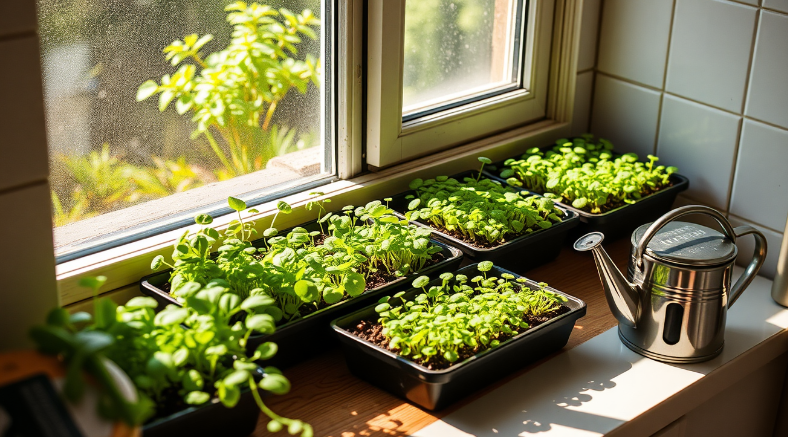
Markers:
<point>234,92</point>
<point>305,270</point>
<point>586,173</point>
<point>479,209</point>
<point>462,316</point>
<point>194,352</point>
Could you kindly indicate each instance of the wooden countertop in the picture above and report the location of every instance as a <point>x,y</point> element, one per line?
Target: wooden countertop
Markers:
<point>337,404</point>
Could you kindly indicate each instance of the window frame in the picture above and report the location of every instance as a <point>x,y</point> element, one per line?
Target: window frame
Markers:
<point>125,265</point>
<point>390,139</point>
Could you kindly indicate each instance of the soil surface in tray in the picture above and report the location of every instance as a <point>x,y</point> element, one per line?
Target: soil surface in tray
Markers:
<point>372,332</point>
<point>475,243</point>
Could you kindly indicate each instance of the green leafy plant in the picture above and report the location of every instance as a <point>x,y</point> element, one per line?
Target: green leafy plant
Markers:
<point>479,210</point>
<point>587,174</point>
<point>461,317</point>
<point>164,178</point>
<point>304,270</point>
<point>193,352</point>
<point>236,90</point>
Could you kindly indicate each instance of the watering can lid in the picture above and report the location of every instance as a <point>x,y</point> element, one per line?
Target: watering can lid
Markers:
<point>688,243</point>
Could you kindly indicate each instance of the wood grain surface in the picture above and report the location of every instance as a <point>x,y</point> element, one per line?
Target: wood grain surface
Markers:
<point>337,404</point>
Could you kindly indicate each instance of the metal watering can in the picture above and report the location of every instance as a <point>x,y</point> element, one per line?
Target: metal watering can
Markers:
<point>672,305</point>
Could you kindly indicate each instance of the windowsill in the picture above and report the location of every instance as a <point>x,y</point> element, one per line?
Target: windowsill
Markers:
<point>125,265</point>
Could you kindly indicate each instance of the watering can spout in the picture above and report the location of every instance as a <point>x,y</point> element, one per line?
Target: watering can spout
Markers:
<point>622,296</point>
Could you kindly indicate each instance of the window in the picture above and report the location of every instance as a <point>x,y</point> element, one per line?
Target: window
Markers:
<point>445,72</point>
<point>490,77</point>
<point>159,109</point>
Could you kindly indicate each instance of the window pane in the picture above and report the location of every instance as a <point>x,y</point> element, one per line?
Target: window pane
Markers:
<point>457,50</point>
<point>151,98</point>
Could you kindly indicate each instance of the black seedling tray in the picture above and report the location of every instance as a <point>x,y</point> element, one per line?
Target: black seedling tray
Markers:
<point>623,220</point>
<point>210,419</point>
<point>436,389</point>
<point>307,337</point>
<point>519,254</point>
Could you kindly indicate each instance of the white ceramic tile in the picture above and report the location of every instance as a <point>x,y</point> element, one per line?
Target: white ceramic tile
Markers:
<point>29,290</point>
<point>746,246</point>
<point>710,51</point>
<point>582,111</point>
<point>589,29</point>
<point>633,42</point>
<point>701,142</point>
<point>780,5</point>
<point>17,16</point>
<point>625,114</point>
<point>768,95</point>
<point>23,149</point>
<point>760,187</point>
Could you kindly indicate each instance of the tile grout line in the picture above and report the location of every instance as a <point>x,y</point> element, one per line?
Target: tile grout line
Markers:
<point>746,117</point>
<point>744,219</point>
<point>596,64</point>
<point>664,78</point>
<point>740,133</point>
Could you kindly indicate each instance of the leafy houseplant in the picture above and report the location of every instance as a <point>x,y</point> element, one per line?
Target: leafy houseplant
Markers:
<point>302,271</point>
<point>235,92</point>
<point>587,174</point>
<point>479,211</point>
<point>182,355</point>
<point>460,317</point>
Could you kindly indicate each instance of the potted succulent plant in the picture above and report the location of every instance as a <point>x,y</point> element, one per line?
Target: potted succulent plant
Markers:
<point>311,273</point>
<point>613,193</point>
<point>446,338</point>
<point>488,220</point>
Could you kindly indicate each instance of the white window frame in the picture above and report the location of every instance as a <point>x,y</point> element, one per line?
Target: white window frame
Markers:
<point>125,265</point>
<point>390,140</point>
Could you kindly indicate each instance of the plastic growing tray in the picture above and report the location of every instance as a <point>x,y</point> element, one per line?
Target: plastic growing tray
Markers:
<point>306,337</point>
<point>435,389</point>
<point>624,219</point>
<point>210,419</point>
<point>519,254</point>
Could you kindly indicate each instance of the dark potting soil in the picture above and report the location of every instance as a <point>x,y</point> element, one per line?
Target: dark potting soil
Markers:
<point>372,332</point>
<point>476,243</point>
<point>170,403</point>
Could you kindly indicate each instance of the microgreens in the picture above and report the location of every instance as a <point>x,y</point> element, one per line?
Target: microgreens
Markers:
<point>480,210</point>
<point>196,350</point>
<point>457,318</point>
<point>304,271</point>
<point>587,174</point>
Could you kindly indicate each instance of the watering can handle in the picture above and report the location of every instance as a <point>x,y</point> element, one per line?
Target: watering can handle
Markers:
<point>752,268</point>
<point>673,215</point>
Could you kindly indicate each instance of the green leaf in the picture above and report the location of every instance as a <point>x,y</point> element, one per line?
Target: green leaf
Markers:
<point>485,266</point>
<point>484,160</point>
<point>105,313</point>
<point>416,184</point>
<point>229,395</point>
<point>307,291</point>
<point>267,350</point>
<point>284,207</point>
<point>257,301</point>
<point>354,284</point>
<point>275,383</point>
<point>197,398</point>
<point>157,262</point>
<point>93,282</point>
<point>237,377</point>
<point>421,281</point>
<point>205,219</point>
<point>262,323</point>
<point>147,89</point>
<point>171,315</point>
<point>236,204</point>
<point>141,302</point>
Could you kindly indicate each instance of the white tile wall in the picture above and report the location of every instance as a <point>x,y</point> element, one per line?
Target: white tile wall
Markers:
<point>746,246</point>
<point>625,114</point>
<point>727,74</point>
<point>710,51</point>
<point>767,98</point>
<point>634,39</point>
<point>780,5</point>
<point>701,142</point>
<point>760,187</point>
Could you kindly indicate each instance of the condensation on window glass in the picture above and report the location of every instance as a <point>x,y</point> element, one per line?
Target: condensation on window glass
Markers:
<point>456,49</point>
<point>148,98</point>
